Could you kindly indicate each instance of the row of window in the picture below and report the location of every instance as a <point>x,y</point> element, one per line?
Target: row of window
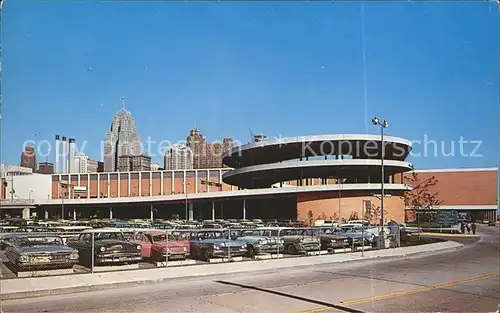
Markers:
<point>144,175</point>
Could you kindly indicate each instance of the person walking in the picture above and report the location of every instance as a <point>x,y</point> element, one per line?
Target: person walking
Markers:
<point>473,226</point>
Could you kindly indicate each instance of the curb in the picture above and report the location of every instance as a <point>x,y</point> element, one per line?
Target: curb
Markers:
<point>427,234</point>
<point>90,288</point>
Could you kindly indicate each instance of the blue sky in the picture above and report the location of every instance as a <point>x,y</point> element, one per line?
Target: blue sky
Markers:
<point>282,69</point>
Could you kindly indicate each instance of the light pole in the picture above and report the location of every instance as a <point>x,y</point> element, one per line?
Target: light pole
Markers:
<point>383,125</point>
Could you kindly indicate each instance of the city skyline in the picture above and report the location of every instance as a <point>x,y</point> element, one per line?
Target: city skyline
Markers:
<point>436,81</point>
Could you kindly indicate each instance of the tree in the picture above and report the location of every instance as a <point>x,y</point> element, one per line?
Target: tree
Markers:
<point>375,214</point>
<point>334,217</point>
<point>423,196</point>
<point>310,216</point>
<point>353,216</point>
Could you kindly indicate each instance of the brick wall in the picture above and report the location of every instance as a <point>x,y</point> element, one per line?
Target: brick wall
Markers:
<point>464,187</point>
<point>327,204</point>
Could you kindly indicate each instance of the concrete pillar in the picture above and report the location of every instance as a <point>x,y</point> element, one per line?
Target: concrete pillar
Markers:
<point>244,209</point>
<point>190,211</point>
<point>151,214</point>
<point>46,216</point>
<point>26,213</point>
<point>74,214</point>
<point>110,213</point>
<point>213,210</point>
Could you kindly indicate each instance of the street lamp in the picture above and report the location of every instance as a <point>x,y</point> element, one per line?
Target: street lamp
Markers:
<point>383,124</point>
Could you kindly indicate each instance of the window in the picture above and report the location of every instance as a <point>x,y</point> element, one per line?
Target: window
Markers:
<point>109,235</point>
<point>86,237</point>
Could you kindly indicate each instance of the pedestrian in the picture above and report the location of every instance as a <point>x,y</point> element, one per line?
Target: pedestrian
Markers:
<point>468,228</point>
<point>462,227</point>
<point>473,226</point>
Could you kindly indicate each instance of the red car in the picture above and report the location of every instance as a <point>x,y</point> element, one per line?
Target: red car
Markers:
<point>162,247</point>
<point>142,240</point>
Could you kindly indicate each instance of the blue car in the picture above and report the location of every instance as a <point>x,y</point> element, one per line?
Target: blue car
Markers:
<point>211,243</point>
<point>356,238</point>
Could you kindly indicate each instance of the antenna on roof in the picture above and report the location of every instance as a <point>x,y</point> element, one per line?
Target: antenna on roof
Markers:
<point>123,103</point>
<point>251,135</point>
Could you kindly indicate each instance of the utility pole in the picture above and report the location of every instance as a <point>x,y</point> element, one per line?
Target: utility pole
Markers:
<point>383,124</point>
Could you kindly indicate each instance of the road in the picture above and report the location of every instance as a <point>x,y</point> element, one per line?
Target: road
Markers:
<point>460,281</point>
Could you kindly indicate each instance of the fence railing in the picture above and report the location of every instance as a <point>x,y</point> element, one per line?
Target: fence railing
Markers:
<point>103,250</point>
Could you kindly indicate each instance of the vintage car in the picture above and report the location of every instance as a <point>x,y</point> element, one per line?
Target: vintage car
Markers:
<point>258,244</point>
<point>211,225</point>
<point>6,240</point>
<point>110,247</point>
<point>332,240</point>
<point>293,239</point>
<point>166,247</point>
<point>40,252</point>
<point>356,236</point>
<point>68,233</point>
<point>209,243</point>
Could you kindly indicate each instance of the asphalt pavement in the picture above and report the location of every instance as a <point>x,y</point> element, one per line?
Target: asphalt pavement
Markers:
<point>465,280</point>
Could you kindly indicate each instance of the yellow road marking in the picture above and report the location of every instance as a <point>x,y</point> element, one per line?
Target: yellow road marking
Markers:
<point>404,293</point>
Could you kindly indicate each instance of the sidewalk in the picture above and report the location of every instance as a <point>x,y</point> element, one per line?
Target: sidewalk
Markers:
<point>43,286</point>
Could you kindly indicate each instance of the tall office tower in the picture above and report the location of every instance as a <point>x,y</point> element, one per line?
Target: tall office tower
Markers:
<point>81,163</point>
<point>227,145</point>
<point>28,158</point>
<point>178,157</point>
<point>121,139</point>
<point>134,163</point>
<point>206,155</point>
<point>196,142</point>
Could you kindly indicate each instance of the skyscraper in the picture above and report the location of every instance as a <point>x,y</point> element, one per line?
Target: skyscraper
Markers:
<point>178,157</point>
<point>121,139</point>
<point>81,163</point>
<point>134,163</point>
<point>28,158</point>
<point>206,155</point>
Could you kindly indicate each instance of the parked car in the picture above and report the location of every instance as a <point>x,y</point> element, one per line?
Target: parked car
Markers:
<point>40,252</point>
<point>257,243</point>
<point>332,240</point>
<point>165,246</point>
<point>6,240</point>
<point>68,233</point>
<point>293,239</point>
<point>209,243</point>
<point>211,225</point>
<point>356,236</point>
<point>141,239</point>
<point>110,247</point>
